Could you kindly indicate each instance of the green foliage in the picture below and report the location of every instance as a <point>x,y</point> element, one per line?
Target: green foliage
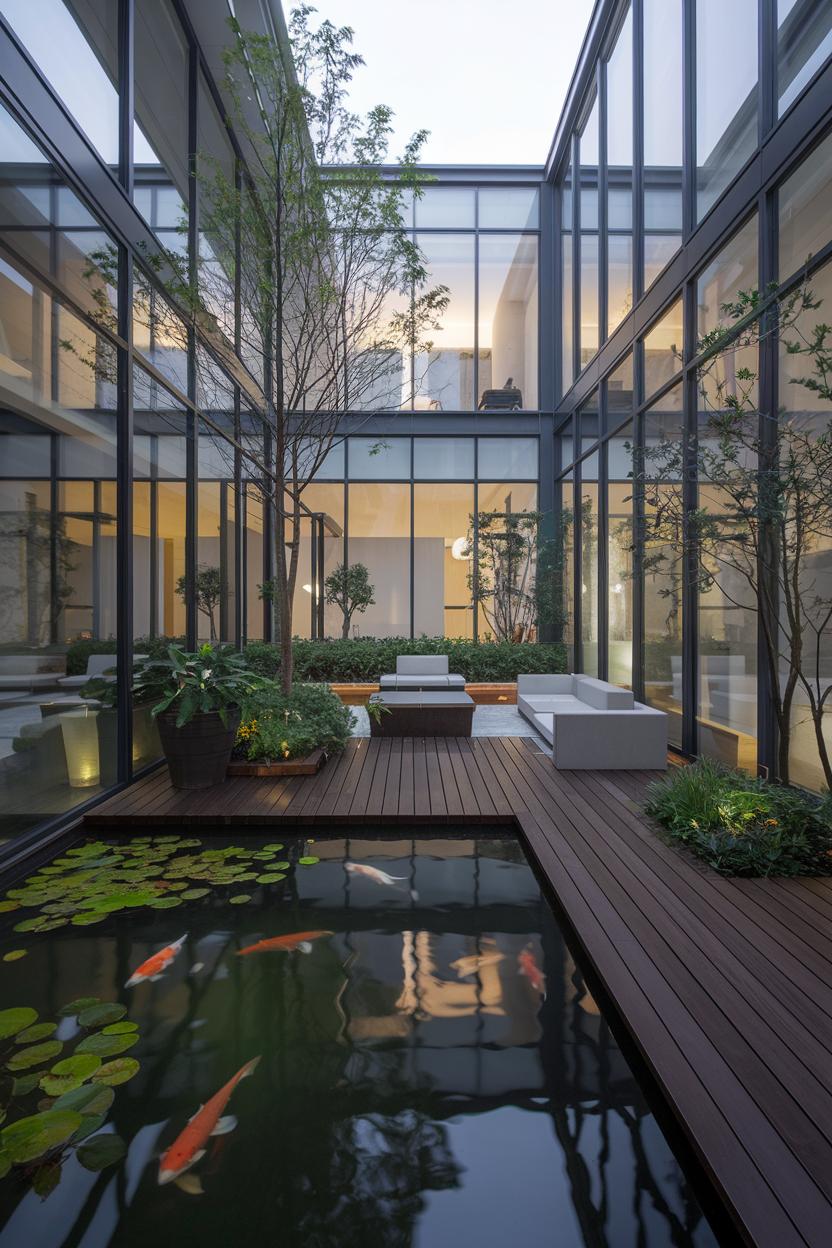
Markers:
<point>501,579</point>
<point>741,825</point>
<point>278,726</point>
<point>208,593</point>
<point>349,589</point>
<point>80,651</point>
<point>368,658</point>
<point>210,679</point>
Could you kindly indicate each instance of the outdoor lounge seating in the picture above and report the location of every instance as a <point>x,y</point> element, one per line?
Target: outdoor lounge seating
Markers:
<point>97,665</point>
<point>30,672</point>
<point>417,714</point>
<point>423,671</point>
<point>592,725</point>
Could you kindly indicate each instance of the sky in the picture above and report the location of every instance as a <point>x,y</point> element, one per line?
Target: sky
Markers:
<point>487,77</point>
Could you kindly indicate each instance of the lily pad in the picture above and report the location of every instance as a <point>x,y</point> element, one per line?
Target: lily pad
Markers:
<point>46,1179</point>
<point>193,894</point>
<point>271,878</point>
<point>90,1123</point>
<point>107,1046</point>
<point>5,1164</point>
<point>29,1138</point>
<point>40,1031</point>
<point>308,861</point>
<point>27,925</point>
<point>15,1020</point>
<point>73,1008</point>
<point>89,1099</point>
<point>23,1084</point>
<point>119,1029</point>
<point>87,919</point>
<point>14,955</point>
<point>275,846</point>
<point>6,906</point>
<point>101,1151</point>
<point>239,900</point>
<point>118,1071</point>
<point>34,1055</point>
<point>69,1074</point>
<point>166,903</point>
<point>100,1015</point>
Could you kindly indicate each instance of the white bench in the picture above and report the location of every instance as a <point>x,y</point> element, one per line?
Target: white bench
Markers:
<point>593,725</point>
<point>30,672</point>
<point>97,665</point>
<point>425,672</point>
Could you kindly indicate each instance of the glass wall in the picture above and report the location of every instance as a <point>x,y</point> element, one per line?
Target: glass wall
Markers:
<point>507,346</point>
<point>726,94</point>
<point>620,176</point>
<point>804,41</point>
<point>442,560</point>
<point>588,213</point>
<point>620,543</point>
<point>663,113</point>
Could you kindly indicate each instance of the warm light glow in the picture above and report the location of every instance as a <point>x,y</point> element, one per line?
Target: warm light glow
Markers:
<point>460,549</point>
<point>80,733</point>
<point>618,588</point>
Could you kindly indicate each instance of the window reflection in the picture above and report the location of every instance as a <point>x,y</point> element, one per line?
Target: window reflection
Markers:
<point>507,322</point>
<point>803,202</point>
<point>726,94</point>
<point>663,132</point>
<point>379,537</point>
<point>620,176</point>
<point>620,557</point>
<point>731,273</point>
<point>589,240</point>
<point>663,347</point>
<point>567,363</point>
<point>441,561</point>
<point>804,41</point>
<point>444,375</point>
<point>160,126</point>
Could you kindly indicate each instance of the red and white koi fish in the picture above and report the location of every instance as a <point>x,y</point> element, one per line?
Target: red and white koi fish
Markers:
<point>527,965</point>
<point>188,1147</point>
<point>373,873</point>
<point>156,964</point>
<point>284,944</point>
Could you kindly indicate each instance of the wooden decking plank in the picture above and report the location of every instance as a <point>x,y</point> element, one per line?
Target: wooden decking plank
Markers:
<point>471,801</point>
<point>390,801</point>
<point>421,791</point>
<point>361,794</point>
<point>483,778</point>
<point>375,800</point>
<point>435,787</point>
<point>406,779</point>
<point>453,801</point>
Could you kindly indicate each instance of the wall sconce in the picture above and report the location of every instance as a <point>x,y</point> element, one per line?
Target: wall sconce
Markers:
<point>460,549</point>
<point>618,588</point>
<point>80,733</point>
<point>308,589</point>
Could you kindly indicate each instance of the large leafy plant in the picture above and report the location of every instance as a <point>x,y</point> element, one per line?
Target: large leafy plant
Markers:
<point>276,726</point>
<point>212,679</point>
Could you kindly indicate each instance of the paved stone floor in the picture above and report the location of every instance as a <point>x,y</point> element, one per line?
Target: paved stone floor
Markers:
<point>489,721</point>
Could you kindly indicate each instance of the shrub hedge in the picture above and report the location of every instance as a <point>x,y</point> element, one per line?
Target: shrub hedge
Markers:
<point>741,825</point>
<point>363,658</point>
<point>274,727</point>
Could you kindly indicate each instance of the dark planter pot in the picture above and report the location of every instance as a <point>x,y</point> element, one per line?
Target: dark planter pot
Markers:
<point>198,753</point>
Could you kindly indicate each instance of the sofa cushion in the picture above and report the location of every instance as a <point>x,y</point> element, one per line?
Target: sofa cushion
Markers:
<point>455,681</point>
<point>422,681</point>
<point>422,664</point>
<point>602,696</point>
<point>533,683</point>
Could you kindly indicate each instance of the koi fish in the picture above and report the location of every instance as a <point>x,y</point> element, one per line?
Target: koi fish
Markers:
<point>526,965</point>
<point>284,944</point>
<point>377,876</point>
<point>473,963</point>
<point>188,1147</point>
<point>156,964</point>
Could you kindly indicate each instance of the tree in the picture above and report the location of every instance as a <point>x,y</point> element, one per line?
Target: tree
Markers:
<point>349,589</point>
<point>762,525</point>
<point>502,572</point>
<point>207,591</point>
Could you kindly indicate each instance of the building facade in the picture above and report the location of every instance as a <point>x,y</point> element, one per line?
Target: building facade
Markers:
<point>691,164</point>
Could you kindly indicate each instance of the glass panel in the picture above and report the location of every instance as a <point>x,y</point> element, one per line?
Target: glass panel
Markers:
<point>620,175</point>
<point>253,552</point>
<point>663,349</point>
<point>379,459</point>
<point>58,556</point>
<point>663,569</point>
<point>567,288</point>
<point>564,567</point>
<point>726,94</point>
<point>448,458</point>
<point>507,576</point>
<point>446,208</point>
<point>663,132</point>
<point>444,376</point>
<point>158,332</point>
<point>329,499</point>
<point>589,565</point>
<point>805,443</point>
<point>620,393</point>
<point>732,272</point>
<point>379,537</point>
<point>589,242</point>
<point>804,40</point>
<point>507,458</point>
<point>620,557</point>
<point>510,207</point>
<point>442,522</point>
<point>160,127</point>
<point>76,48</point>
<point>589,422</point>
<point>803,200</point>
<point>217,230</point>
<point>508,322</point>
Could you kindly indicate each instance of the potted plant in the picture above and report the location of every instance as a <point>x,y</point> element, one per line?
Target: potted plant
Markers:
<point>289,734</point>
<point>196,703</point>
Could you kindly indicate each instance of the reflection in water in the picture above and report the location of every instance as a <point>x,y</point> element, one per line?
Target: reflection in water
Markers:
<point>420,1081</point>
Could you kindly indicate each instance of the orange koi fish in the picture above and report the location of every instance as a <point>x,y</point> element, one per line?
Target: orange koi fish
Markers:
<point>284,944</point>
<point>526,965</point>
<point>187,1148</point>
<point>156,964</point>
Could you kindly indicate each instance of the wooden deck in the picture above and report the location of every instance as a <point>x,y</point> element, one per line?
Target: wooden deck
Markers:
<point>724,986</point>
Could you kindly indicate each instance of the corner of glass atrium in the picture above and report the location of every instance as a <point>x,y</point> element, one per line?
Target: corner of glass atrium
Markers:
<point>692,162</point>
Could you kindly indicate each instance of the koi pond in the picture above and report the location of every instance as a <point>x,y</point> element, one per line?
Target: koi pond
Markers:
<point>353,1041</point>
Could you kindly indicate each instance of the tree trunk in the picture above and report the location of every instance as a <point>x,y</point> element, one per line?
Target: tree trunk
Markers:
<point>345,629</point>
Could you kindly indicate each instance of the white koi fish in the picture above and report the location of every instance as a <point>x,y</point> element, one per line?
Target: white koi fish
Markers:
<point>378,876</point>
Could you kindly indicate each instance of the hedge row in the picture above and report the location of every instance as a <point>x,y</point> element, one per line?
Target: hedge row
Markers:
<point>364,658</point>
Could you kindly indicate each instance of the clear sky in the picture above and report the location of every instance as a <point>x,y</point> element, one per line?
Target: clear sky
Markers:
<point>486,77</point>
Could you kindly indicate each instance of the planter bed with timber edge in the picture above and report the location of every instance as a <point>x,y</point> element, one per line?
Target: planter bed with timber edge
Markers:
<point>484,693</point>
<point>421,714</point>
<point>306,766</point>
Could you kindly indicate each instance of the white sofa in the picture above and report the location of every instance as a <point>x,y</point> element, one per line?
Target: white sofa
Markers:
<point>97,665</point>
<point>425,672</point>
<point>592,725</point>
<point>30,672</point>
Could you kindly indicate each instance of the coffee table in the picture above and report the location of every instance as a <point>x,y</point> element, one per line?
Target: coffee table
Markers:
<point>414,713</point>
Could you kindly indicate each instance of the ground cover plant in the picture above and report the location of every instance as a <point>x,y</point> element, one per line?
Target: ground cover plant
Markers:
<point>277,726</point>
<point>741,825</point>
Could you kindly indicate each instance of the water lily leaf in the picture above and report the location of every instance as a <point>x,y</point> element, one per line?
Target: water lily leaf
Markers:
<point>34,1055</point>
<point>14,955</point>
<point>239,900</point>
<point>23,1084</point>
<point>27,925</point>
<point>49,924</point>
<point>29,1138</point>
<point>281,866</point>
<point>271,878</point>
<point>99,1015</point>
<point>90,1123</point>
<point>308,861</point>
<point>166,903</point>
<point>69,1074</point>
<point>73,1008</point>
<point>101,1151</point>
<point>15,1020</point>
<point>193,894</point>
<point>118,1071</point>
<point>86,919</point>
<point>275,846</point>
<point>46,1179</point>
<point>89,1099</point>
<point>38,1032</point>
<point>120,1029</point>
<point>6,906</point>
<point>107,1046</point>
<point>5,1164</point>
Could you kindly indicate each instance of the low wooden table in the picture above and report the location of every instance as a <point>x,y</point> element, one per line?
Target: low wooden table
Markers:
<point>413,713</point>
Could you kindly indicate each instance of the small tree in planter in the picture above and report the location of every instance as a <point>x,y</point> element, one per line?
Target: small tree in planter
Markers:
<point>349,589</point>
<point>502,576</point>
<point>196,702</point>
<point>207,592</point>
